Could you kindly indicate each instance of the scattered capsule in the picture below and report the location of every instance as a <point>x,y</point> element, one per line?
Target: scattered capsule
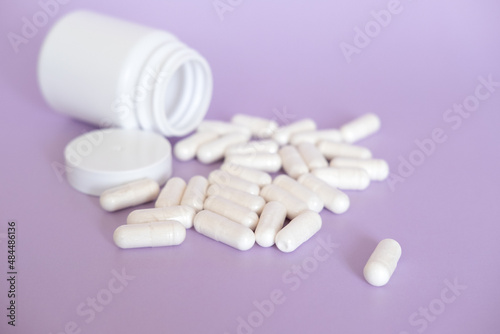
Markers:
<point>221,128</point>
<point>282,134</point>
<point>313,201</point>
<point>377,169</point>
<point>226,179</point>
<point>270,223</point>
<point>172,193</point>
<point>316,136</point>
<point>182,213</point>
<point>232,210</point>
<point>222,229</point>
<point>195,192</point>
<point>156,234</point>
<point>312,156</point>
<point>335,200</point>
<point>332,150</point>
<point>298,231</point>
<point>214,150</point>
<point>344,178</point>
<point>382,263</point>
<point>360,128</point>
<point>252,202</point>
<point>186,149</point>
<point>293,164</point>
<point>129,194</point>
<point>267,162</point>
<point>294,206</point>
<point>256,176</point>
<point>254,146</point>
<point>260,127</point>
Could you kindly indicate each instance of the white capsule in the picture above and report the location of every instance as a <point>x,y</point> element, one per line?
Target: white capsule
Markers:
<point>252,202</point>
<point>256,176</point>
<point>226,179</point>
<point>293,164</point>
<point>313,201</point>
<point>377,169</point>
<point>172,193</point>
<point>254,146</point>
<point>157,234</point>
<point>282,134</point>
<point>360,128</point>
<point>334,199</point>
<point>221,128</point>
<point>186,149</point>
<point>232,210</point>
<point>344,178</point>
<point>214,150</point>
<point>312,156</point>
<point>382,263</point>
<point>270,223</point>
<point>267,162</point>
<point>298,231</point>
<point>332,150</point>
<point>222,229</point>
<point>260,127</point>
<point>316,136</point>
<point>195,192</point>
<point>182,213</point>
<point>294,206</point>
<point>129,194</point>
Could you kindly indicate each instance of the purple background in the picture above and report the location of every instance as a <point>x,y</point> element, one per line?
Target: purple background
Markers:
<point>268,59</point>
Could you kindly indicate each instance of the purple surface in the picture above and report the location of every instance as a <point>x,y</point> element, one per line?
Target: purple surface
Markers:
<point>275,59</point>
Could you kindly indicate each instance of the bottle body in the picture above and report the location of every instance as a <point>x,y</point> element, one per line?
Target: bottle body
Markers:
<point>110,72</point>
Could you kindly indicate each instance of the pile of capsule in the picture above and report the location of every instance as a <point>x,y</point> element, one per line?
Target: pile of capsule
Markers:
<point>240,203</point>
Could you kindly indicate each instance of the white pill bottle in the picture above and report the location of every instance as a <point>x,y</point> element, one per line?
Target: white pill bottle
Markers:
<point>110,72</point>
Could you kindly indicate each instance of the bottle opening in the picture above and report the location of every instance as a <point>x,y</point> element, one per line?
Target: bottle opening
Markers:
<point>181,91</point>
<point>181,101</point>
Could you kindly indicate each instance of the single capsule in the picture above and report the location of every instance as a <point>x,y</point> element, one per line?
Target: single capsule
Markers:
<point>377,169</point>
<point>254,146</point>
<point>270,223</point>
<point>186,149</point>
<point>252,202</point>
<point>232,210</point>
<point>360,128</point>
<point>171,194</point>
<point>214,150</point>
<point>313,201</point>
<point>298,231</point>
<point>129,194</point>
<point>157,234</point>
<point>260,127</point>
<point>267,162</point>
<point>294,206</point>
<point>222,229</point>
<point>293,164</point>
<point>344,178</point>
<point>332,150</point>
<point>282,134</point>
<point>195,192</point>
<point>335,200</point>
<point>182,213</point>
<point>316,136</point>
<point>221,128</point>
<point>226,179</point>
<point>256,176</point>
<point>382,263</point>
<point>312,156</point>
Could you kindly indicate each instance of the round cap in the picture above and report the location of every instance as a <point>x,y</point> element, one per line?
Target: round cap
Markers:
<point>106,158</point>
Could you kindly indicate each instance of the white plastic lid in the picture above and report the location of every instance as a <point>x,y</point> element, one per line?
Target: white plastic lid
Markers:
<point>102,159</point>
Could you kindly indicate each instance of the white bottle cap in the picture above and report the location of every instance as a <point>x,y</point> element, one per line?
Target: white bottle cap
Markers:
<point>102,159</point>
